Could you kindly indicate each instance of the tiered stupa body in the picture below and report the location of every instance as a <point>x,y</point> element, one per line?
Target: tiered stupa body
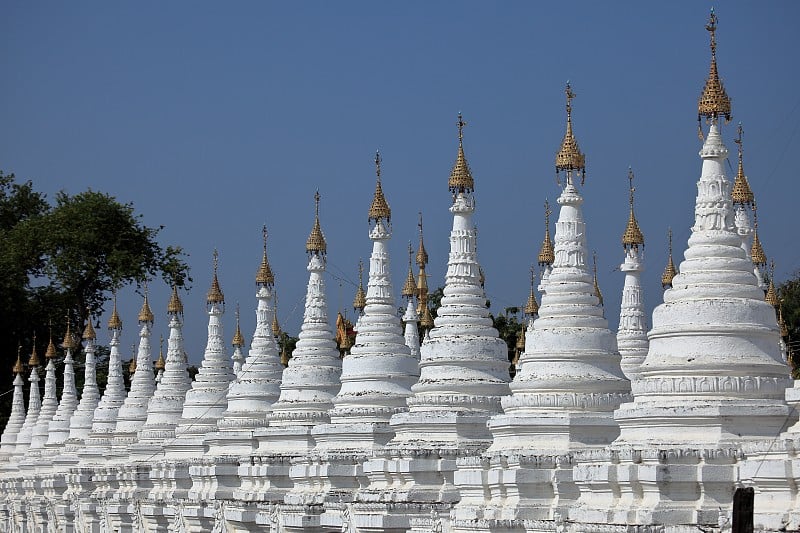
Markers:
<point>98,442</point>
<point>376,379</point>
<point>309,383</point>
<point>632,333</point>
<point>463,375</point>
<point>568,384</point>
<point>59,428</point>
<point>713,380</point>
<point>205,401</point>
<point>48,410</point>
<point>17,417</point>
<point>25,434</point>
<point>133,412</point>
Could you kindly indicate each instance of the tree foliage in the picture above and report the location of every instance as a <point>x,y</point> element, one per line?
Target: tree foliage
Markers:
<point>63,259</point>
<point>789,294</point>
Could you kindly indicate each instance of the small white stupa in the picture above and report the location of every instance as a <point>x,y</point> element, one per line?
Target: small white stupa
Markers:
<point>410,317</point>
<point>59,428</point>
<point>25,434</point>
<point>547,254</point>
<point>17,417</point>
<point>98,442</point>
<point>205,401</point>
<point>632,333</point>
<point>48,410</point>
<point>133,412</point>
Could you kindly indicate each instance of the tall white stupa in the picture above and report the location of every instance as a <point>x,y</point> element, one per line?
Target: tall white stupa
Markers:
<point>23,441</point>
<point>49,407</point>
<point>17,417</point>
<point>59,427</point>
<point>410,317</point>
<point>632,333</point>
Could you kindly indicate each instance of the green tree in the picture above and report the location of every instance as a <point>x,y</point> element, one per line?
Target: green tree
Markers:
<point>60,260</point>
<point>789,295</point>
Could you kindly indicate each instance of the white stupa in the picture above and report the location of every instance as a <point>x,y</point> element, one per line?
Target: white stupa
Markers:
<point>17,417</point>
<point>632,333</point>
<point>257,386</point>
<point>133,412</point>
<point>410,317</point>
<point>547,254</point>
<point>205,401</point>
<point>25,434</point>
<point>59,428</point>
<point>49,407</point>
<point>238,344</point>
<point>104,423</point>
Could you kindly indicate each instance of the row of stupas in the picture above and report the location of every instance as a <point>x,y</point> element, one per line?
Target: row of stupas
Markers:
<point>416,424</point>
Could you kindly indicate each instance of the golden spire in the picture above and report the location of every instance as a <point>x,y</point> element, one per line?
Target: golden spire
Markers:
<point>34,360</point>
<point>461,176</point>
<point>264,276</point>
<point>741,192</point>
<point>569,157</point>
<point>757,254</point>
<point>51,348</point>
<point>547,254</point>
<point>18,368</point>
<point>772,295</point>
<point>115,322</point>
<point>633,237</point>
<point>175,306</point>
<point>714,102</point>
<point>520,341</point>
<point>215,295</point>
<point>360,300</point>
<point>276,328</point>
<point>316,240</point>
<point>425,318</point>
<point>410,287</point>
<point>422,254</point>
<point>88,331</point>
<point>238,338</point>
<point>161,364</point>
<point>69,341</point>
<point>132,365</point>
<point>285,356</point>
<point>380,207</point>
<point>669,271</point>
<point>596,285</point>
<point>342,340</point>
<point>532,307</point>
<point>146,314</point>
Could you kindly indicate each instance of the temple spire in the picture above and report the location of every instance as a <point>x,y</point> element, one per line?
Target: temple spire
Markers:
<point>49,407</point>
<point>17,417</point>
<point>669,271</point>
<point>264,275</point>
<point>598,294</point>
<point>633,237</point>
<point>379,210</point>
<point>410,317</point>
<point>316,240</point>
<point>423,311</point>
<point>741,194</point>
<point>532,306</point>
<point>360,299</point>
<point>547,255</point>
<point>238,343</point>
<point>714,101</point>
<point>25,434</point>
<point>569,158</point>
<point>461,180</point>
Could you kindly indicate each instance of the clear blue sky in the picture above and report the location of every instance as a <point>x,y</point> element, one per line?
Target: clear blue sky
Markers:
<point>216,118</point>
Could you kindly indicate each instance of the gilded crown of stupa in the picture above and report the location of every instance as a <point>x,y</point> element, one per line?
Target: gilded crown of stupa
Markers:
<point>569,157</point>
<point>410,286</point>
<point>316,240</point>
<point>264,275</point>
<point>714,101</point>
<point>146,314</point>
<point>88,331</point>
<point>741,193</point>
<point>215,295</point>
<point>161,364</point>
<point>50,353</point>
<point>461,177</point>
<point>69,340</point>
<point>115,322</point>
<point>18,368</point>
<point>34,359</point>
<point>379,210</point>
<point>238,338</point>
<point>669,271</point>
<point>360,299</point>
<point>532,306</point>
<point>757,254</point>
<point>633,237</point>
<point>175,306</point>
<point>547,253</point>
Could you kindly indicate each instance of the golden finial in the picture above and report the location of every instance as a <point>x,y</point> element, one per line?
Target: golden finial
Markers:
<point>88,331</point>
<point>175,306</point>
<point>596,284</point>
<point>757,254</point>
<point>34,360</point>
<point>772,295</point>
<point>316,240</point>
<point>520,341</point>
<point>569,157</point>
<point>342,340</point>
<point>51,348</point>
<point>276,328</point>
<point>669,271</point>
<point>18,368</point>
<point>425,318</point>
<point>69,340</point>
<point>146,314</point>
<point>714,102</point>
<point>132,365</point>
<point>215,295</point>
<point>161,364</point>
<point>422,254</point>
<point>741,192</point>
<point>532,307</point>
<point>461,177</point>
<point>115,322</point>
<point>380,207</point>
<point>360,300</point>
<point>410,287</point>
<point>238,338</point>
<point>285,355</point>
<point>547,254</point>
<point>264,276</point>
<point>633,237</point>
